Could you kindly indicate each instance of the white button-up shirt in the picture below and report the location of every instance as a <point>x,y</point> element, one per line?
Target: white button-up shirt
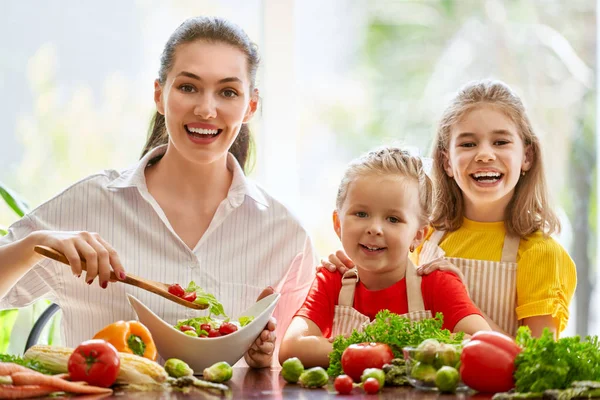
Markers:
<point>249,245</point>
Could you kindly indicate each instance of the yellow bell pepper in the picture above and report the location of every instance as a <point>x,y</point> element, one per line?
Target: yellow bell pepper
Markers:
<point>129,337</point>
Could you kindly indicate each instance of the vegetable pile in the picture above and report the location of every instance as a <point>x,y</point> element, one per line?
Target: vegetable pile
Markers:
<point>395,331</point>
<point>195,294</point>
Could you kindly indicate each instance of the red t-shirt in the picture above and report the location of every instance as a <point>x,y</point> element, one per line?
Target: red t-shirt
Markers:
<point>442,292</point>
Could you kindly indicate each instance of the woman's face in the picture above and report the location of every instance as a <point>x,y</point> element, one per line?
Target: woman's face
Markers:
<point>205,99</point>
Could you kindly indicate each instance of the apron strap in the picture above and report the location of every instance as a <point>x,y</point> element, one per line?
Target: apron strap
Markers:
<point>413,288</point>
<point>436,237</point>
<point>349,281</point>
<point>510,248</point>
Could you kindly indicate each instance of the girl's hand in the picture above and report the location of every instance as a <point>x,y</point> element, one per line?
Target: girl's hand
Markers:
<point>260,354</point>
<point>100,257</point>
<point>441,264</point>
<point>338,261</point>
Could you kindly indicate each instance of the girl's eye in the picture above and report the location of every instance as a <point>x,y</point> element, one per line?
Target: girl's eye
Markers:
<point>229,93</point>
<point>186,88</point>
<point>361,214</point>
<point>467,144</point>
<point>501,142</point>
<point>393,220</point>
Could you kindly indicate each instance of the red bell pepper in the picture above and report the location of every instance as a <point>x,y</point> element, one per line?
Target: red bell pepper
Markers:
<point>487,362</point>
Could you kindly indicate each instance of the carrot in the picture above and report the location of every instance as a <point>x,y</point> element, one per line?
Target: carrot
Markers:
<point>35,378</point>
<point>10,368</point>
<point>25,391</point>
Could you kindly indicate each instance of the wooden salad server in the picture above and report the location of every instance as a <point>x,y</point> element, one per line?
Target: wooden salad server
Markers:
<point>158,288</point>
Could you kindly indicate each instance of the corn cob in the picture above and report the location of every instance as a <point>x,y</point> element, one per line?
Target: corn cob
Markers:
<point>134,370</point>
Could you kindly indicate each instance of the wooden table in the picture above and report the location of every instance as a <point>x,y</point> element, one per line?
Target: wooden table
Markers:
<point>250,383</point>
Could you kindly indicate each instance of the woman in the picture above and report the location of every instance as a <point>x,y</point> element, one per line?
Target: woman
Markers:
<point>185,212</point>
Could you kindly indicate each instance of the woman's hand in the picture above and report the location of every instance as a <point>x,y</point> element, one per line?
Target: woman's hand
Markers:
<point>100,257</point>
<point>338,261</point>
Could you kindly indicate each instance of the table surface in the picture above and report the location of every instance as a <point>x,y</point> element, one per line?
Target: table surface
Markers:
<point>248,383</point>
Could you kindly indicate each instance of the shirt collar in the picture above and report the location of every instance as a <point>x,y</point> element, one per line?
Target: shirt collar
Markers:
<point>240,187</point>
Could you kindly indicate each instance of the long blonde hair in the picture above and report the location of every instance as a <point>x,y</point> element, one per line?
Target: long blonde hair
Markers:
<point>528,210</point>
<point>390,161</point>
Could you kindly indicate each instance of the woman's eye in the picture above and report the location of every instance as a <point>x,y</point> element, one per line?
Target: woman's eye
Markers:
<point>361,214</point>
<point>229,93</point>
<point>187,88</point>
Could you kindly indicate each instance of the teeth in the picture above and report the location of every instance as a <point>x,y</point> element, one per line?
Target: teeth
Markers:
<point>372,248</point>
<point>487,175</point>
<point>204,131</point>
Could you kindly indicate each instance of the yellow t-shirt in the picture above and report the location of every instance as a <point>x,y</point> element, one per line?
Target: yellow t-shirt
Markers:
<point>546,276</point>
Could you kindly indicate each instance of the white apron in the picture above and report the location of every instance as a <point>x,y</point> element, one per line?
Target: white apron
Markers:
<point>347,318</point>
<point>492,285</point>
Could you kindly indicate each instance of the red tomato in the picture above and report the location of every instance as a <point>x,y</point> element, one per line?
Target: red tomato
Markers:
<point>95,362</point>
<point>191,296</point>
<point>358,357</point>
<point>227,327</point>
<point>343,384</point>
<point>184,328</point>
<point>214,333</point>
<point>371,386</point>
<point>206,327</point>
<point>176,289</point>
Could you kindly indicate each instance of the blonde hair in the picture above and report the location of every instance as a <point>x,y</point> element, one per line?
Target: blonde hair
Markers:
<point>528,210</point>
<point>390,161</point>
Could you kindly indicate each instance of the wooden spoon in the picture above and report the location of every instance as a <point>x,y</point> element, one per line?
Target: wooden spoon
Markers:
<point>159,288</point>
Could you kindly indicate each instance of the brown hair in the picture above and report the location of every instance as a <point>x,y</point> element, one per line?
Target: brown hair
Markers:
<point>211,29</point>
<point>528,209</point>
<point>390,161</point>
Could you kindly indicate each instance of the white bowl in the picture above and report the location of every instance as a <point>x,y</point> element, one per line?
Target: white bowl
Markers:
<point>201,353</point>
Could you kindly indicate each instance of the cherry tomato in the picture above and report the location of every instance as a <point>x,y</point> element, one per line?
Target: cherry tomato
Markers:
<point>191,296</point>
<point>95,362</point>
<point>206,327</point>
<point>227,327</point>
<point>176,289</point>
<point>214,333</point>
<point>358,357</point>
<point>343,384</point>
<point>371,386</point>
<point>184,328</point>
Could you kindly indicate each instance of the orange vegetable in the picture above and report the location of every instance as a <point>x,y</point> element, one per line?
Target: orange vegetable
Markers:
<point>129,337</point>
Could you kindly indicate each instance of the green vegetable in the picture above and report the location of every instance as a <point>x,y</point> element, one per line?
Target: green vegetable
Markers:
<point>395,373</point>
<point>185,382</point>
<point>291,369</point>
<point>446,379</point>
<point>192,333</point>
<point>548,364</point>
<point>313,378</point>
<point>177,368</point>
<point>374,373</point>
<point>219,372</point>
<point>427,350</point>
<point>245,320</point>
<point>214,307</point>
<point>394,330</point>
<point>423,372</point>
<point>31,363</point>
<point>447,354</point>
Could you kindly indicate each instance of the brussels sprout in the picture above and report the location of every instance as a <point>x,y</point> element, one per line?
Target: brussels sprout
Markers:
<point>313,378</point>
<point>177,368</point>
<point>426,351</point>
<point>374,373</point>
<point>447,354</point>
<point>291,369</point>
<point>446,379</point>
<point>219,372</point>
<point>423,372</point>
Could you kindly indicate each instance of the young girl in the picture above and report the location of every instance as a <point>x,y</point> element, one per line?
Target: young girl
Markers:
<point>381,215</point>
<point>185,212</point>
<point>492,217</point>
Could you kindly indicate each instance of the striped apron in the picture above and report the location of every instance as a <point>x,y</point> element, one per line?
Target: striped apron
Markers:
<point>492,285</point>
<point>347,318</point>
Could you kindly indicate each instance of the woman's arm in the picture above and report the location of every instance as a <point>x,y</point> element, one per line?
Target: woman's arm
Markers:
<point>539,322</point>
<point>303,339</point>
<point>16,259</point>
